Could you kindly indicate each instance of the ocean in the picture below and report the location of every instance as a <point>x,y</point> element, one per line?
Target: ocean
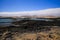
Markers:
<point>5,22</point>
<point>8,21</point>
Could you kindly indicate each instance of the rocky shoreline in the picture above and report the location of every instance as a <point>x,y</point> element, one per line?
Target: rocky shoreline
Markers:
<point>31,30</point>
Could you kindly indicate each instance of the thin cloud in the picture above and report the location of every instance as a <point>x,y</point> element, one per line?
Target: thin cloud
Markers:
<point>45,12</point>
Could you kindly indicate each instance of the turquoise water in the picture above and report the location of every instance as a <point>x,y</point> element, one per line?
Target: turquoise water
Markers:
<point>7,22</point>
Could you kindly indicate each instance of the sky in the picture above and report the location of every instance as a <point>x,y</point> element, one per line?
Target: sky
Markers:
<point>22,7</point>
<point>27,5</point>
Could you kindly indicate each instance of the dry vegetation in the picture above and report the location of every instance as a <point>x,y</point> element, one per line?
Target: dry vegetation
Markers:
<point>53,34</point>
